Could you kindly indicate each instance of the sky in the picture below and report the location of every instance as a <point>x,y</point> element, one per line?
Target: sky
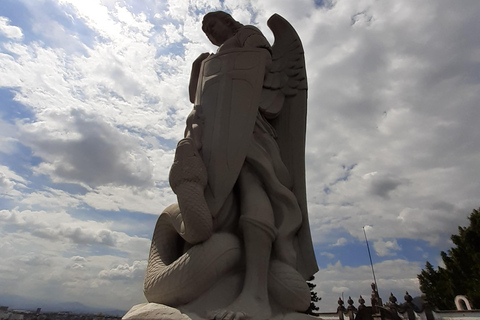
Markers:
<point>93,99</point>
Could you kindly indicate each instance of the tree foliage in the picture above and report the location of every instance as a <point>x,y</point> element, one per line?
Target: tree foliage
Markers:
<point>461,275</point>
<point>313,298</point>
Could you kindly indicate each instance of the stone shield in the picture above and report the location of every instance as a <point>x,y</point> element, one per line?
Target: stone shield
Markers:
<point>228,94</point>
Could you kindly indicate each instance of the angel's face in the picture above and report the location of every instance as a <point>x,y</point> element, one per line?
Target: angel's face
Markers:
<point>218,31</point>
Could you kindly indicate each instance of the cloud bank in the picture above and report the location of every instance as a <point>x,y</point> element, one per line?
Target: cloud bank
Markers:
<point>93,98</point>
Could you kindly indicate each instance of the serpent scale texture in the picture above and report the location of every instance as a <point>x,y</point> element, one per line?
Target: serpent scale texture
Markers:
<point>175,277</point>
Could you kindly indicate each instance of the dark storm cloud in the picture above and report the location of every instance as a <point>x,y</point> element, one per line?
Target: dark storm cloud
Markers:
<point>383,186</point>
<point>93,153</point>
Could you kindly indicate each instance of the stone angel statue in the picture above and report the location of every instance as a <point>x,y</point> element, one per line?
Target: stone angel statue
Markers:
<point>237,245</point>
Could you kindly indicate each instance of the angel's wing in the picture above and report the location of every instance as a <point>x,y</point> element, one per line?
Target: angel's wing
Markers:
<point>284,101</point>
<point>286,74</point>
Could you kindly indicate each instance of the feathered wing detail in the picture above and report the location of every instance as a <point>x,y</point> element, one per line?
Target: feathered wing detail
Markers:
<point>284,102</point>
<point>286,74</point>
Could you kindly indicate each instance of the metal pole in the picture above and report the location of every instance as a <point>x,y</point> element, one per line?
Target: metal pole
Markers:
<point>371,263</point>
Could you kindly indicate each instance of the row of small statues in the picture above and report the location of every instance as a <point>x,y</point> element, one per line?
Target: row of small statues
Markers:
<point>390,310</point>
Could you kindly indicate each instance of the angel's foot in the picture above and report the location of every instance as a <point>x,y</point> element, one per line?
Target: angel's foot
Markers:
<point>224,314</point>
<point>244,308</point>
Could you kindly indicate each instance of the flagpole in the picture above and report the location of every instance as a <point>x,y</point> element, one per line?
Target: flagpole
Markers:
<point>371,263</point>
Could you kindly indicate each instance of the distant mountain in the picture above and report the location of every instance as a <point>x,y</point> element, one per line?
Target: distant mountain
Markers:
<point>22,303</point>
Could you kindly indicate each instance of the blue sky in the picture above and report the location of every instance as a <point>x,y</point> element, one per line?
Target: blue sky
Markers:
<point>93,98</point>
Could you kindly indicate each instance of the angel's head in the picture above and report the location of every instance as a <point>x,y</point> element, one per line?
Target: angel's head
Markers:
<point>219,26</point>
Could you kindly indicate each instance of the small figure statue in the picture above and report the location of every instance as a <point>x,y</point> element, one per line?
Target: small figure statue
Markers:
<point>351,310</point>
<point>409,306</point>
<point>392,299</point>
<point>340,309</point>
<point>375,298</point>
<point>239,177</point>
<point>392,304</point>
<point>361,302</point>
<point>408,298</point>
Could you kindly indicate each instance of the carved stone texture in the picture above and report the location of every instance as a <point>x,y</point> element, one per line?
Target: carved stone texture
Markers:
<point>150,311</point>
<point>237,244</point>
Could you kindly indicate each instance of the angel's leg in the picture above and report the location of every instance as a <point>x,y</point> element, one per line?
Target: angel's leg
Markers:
<point>258,232</point>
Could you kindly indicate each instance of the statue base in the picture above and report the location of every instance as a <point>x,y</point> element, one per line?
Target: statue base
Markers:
<point>155,311</point>
<point>220,295</point>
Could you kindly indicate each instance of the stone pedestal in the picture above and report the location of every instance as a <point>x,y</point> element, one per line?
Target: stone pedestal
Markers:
<point>155,311</point>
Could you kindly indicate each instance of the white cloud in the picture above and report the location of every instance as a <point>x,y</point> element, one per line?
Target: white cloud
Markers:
<point>328,255</point>
<point>97,17</point>
<point>340,290</point>
<point>38,257</point>
<point>10,31</point>
<point>50,198</point>
<point>392,138</point>
<point>340,242</point>
<point>11,185</point>
<point>395,276</point>
<point>36,260</point>
<point>8,174</point>
<point>60,227</point>
<point>78,259</point>
<point>109,198</point>
<point>125,271</point>
<point>173,34</point>
<point>8,137</point>
<point>386,248</point>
